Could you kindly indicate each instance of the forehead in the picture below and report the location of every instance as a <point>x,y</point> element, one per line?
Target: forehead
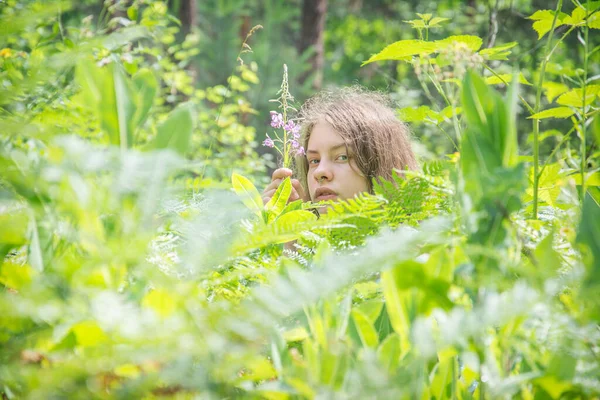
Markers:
<point>323,137</point>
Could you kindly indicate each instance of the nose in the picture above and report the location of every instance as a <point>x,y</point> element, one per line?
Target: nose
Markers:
<point>323,172</point>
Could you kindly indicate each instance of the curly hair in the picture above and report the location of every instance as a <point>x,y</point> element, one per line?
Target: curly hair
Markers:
<point>367,123</point>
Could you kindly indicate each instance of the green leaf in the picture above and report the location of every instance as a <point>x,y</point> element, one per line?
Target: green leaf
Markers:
<point>588,234</point>
<point>505,78</point>
<point>248,193</point>
<point>364,327</point>
<point>132,13</point>
<point>279,200</point>
<point>498,52</point>
<point>15,276</point>
<point>288,221</point>
<point>437,20</point>
<point>109,94</point>
<point>556,112</point>
<point>411,114</point>
<point>146,86</point>
<point>403,50</point>
<point>472,42</point>
<point>592,178</point>
<point>389,352</point>
<point>574,97</point>
<point>175,132</point>
<point>544,20</point>
<point>554,89</point>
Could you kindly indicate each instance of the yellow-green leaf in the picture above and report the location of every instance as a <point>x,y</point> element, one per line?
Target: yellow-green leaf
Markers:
<point>403,50</point>
<point>366,331</point>
<point>15,276</point>
<point>277,203</point>
<point>543,21</point>
<point>592,179</point>
<point>554,89</point>
<point>506,78</point>
<point>472,42</point>
<point>574,97</point>
<point>498,52</point>
<point>248,193</point>
<point>437,20</point>
<point>556,112</point>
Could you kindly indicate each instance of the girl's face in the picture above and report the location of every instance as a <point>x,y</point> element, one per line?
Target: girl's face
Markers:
<point>332,170</point>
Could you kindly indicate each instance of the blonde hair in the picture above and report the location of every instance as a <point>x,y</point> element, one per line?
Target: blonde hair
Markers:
<point>368,125</point>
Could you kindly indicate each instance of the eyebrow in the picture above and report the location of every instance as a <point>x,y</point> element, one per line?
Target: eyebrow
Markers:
<point>334,148</point>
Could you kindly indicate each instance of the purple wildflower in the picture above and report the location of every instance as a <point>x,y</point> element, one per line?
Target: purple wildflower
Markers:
<point>300,151</point>
<point>269,142</point>
<point>289,126</point>
<point>276,119</point>
<point>295,132</point>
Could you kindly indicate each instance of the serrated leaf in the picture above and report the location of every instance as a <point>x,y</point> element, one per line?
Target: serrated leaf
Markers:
<point>554,89</point>
<point>416,23</point>
<point>592,179</point>
<point>556,112</point>
<point>403,50</point>
<point>472,42</point>
<point>248,193</point>
<point>574,97</point>
<point>543,21</point>
<point>411,114</point>
<point>279,200</point>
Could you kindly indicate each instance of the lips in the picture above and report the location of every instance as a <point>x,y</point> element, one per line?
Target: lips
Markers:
<point>323,193</point>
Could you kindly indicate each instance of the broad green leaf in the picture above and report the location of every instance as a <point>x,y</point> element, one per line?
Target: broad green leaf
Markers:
<point>146,87</point>
<point>425,17</point>
<point>556,112</point>
<point>588,234</point>
<point>543,21</point>
<point>574,97</point>
<point>554,89</point>
<point>396,301</point>
<point>287,221</point>
<point>279,200</point>
<point>472,42</point>
<point>505,78</point>
<point>549,184</point>
<point>175,132</point>
<point>389,352</point>
<point>248,193</point>
<point>364,327</point>
<point>109,94</point>
<point>411,114</point>
<point>592,178</point>
<point>403,50</point>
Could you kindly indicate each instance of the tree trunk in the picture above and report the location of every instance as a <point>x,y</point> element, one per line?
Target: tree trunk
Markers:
<point>313,25</point>
<point>187,15</point>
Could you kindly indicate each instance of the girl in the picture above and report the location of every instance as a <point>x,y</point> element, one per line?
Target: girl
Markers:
<point>350,137</point>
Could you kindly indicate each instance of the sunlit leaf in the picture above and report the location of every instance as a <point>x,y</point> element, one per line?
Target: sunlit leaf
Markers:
<point>556,112</point>
<point>248,193</point>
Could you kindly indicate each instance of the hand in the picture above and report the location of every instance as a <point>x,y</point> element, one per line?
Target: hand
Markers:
<point>278,176</point>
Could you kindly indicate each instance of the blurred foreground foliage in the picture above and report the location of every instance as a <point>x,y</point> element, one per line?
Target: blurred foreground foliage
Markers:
<point>130,269</point>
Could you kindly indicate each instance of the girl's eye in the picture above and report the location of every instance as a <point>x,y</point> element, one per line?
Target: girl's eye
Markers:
<point>342,157</point>
<point>314,161</point>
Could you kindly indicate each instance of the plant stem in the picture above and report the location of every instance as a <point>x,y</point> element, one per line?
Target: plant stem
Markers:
<point>583,126</point>
<point>536,122</point>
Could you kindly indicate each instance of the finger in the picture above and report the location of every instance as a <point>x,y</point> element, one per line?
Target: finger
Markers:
<point>299,189</point>
<point>273,185</point>
<point>293,196</point>
<point>281,173</point>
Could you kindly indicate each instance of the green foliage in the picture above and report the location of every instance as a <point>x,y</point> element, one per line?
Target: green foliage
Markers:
<point>124,272</point>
